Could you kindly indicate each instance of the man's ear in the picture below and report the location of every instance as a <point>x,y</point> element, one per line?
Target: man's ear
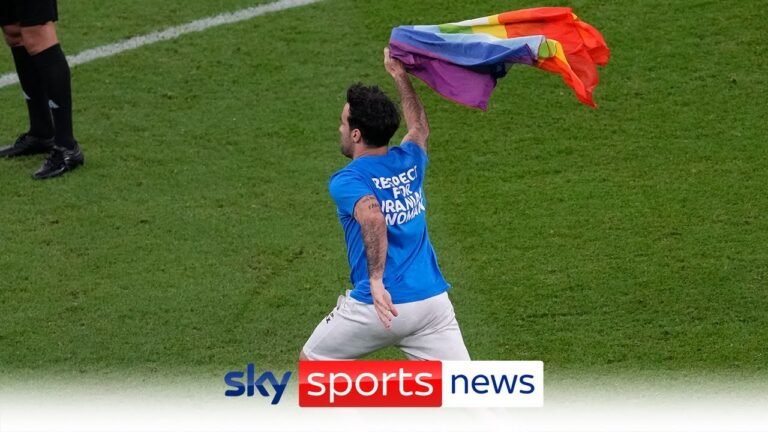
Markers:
<point>357,136</point>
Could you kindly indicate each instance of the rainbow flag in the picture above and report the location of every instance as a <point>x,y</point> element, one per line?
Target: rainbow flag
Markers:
<point>463,60</point>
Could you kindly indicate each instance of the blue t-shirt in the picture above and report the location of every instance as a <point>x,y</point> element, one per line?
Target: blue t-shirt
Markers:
<point>396,180</point>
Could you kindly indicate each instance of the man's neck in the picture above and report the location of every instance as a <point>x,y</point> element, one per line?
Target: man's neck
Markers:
<point>371,151</point>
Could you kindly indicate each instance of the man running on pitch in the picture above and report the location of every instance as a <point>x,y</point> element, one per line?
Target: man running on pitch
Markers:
<point>399,294</point>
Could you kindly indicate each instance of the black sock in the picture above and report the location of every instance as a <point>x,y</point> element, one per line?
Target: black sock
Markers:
<point>54,70</point>
<point>40,122</point>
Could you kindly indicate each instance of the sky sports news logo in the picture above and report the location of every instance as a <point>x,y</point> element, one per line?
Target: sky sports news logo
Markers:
<point>421,384</point>
<point>399,384</point>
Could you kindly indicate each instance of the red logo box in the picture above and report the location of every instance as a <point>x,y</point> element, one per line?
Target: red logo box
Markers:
<point>370,384</point>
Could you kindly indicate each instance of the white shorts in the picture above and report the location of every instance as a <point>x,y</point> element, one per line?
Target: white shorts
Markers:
<point>423,330</point>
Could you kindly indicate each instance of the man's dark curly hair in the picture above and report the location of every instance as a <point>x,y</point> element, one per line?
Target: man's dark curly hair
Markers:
<point>373,112</point>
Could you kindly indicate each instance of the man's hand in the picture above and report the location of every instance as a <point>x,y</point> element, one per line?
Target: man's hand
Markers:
<point>382,301</point>
<point>392,65</point>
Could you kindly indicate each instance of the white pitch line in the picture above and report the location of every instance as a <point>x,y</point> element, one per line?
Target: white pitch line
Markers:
<point>171,33</point>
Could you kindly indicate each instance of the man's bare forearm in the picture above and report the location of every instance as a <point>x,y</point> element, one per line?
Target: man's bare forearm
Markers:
<point>374,230</point>
<point>413,110</point>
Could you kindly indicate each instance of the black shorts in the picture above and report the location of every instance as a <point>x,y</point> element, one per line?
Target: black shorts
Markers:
<point>28,12</point>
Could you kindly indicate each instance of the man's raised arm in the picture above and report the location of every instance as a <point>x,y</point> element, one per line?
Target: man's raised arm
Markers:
<point>413,110</point>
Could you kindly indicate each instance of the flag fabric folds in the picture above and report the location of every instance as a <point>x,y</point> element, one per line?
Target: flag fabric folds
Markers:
<point>463,60</point>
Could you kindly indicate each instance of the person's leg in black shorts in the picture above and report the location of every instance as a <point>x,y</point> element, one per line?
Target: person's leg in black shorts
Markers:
<point>35,20</point>
<point>39,137</point>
